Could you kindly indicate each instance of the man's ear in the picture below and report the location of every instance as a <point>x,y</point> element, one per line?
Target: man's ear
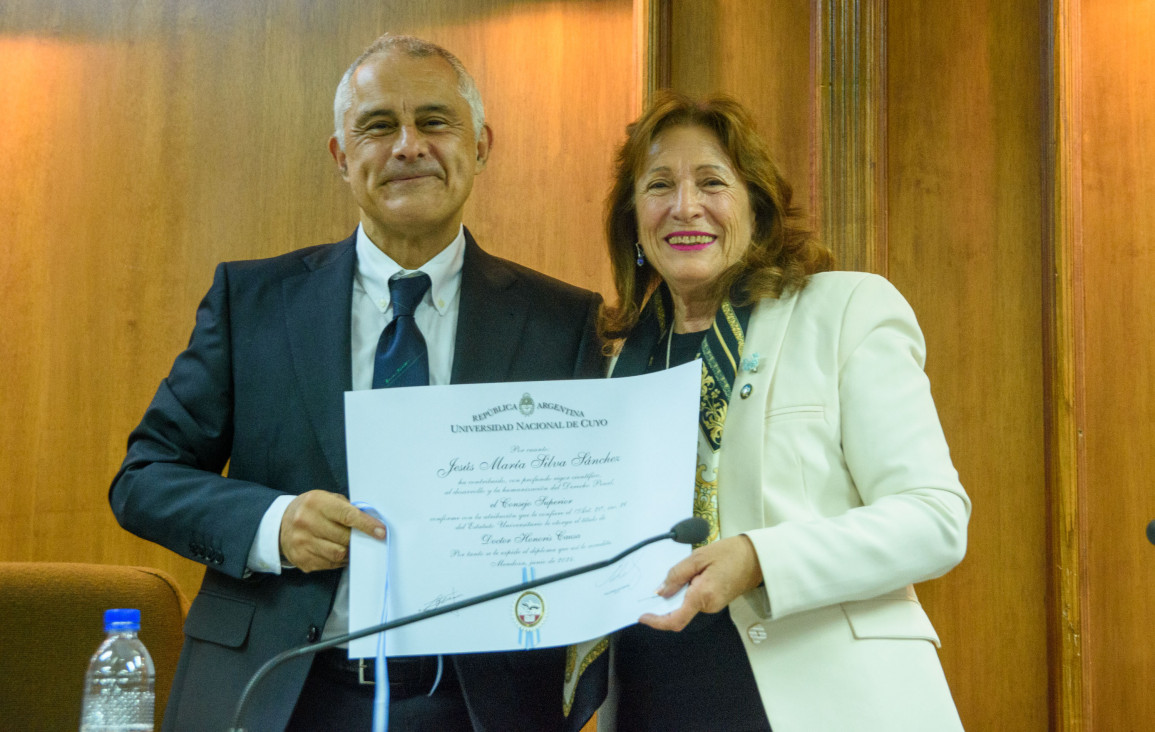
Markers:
<point>484,146</point>
<point>339,156</point>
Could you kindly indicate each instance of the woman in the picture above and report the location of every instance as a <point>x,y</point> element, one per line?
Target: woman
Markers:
<point>822,467</point>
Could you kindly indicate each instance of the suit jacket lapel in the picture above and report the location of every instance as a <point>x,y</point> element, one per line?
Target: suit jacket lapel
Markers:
<point>318,307</point>
<point>490,318</point>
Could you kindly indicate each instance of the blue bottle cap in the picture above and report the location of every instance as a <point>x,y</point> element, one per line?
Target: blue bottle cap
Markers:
<point>121,619</point>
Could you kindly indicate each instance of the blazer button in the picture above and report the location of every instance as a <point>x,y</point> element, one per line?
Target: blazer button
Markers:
<point>757,633</point>
<point>313,634</point>
<point>747,390</point>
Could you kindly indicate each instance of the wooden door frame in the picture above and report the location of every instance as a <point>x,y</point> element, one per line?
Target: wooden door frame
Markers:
<point>1063,356</point>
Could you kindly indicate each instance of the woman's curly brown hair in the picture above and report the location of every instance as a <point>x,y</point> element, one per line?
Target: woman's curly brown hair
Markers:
<point>782,253</point>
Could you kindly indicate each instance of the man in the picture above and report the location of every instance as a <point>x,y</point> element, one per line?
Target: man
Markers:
<point>260,387</point>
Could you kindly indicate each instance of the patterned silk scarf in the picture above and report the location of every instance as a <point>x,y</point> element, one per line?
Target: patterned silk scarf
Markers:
<point>587,664</point>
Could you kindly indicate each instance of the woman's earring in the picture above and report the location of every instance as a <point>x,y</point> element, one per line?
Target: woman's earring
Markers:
<point>641,256</point>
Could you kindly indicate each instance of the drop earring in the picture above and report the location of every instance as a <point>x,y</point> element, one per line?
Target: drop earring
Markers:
<point>641,256</point>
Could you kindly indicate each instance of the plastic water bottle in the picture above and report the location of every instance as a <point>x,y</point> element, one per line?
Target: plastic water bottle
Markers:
<point>119,688</point>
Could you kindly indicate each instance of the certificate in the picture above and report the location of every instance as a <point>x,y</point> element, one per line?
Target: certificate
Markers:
<point>484,486</point>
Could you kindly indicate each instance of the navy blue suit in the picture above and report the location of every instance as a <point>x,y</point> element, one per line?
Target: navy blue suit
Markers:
<point>260,387</point>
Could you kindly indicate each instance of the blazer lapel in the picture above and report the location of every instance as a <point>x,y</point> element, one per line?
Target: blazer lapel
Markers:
<point>740,506</point>
<point>634,358</point>
<point>318,307</point>
<point>490,318</point>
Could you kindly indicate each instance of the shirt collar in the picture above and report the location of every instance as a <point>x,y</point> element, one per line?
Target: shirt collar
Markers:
<point>375,268</point>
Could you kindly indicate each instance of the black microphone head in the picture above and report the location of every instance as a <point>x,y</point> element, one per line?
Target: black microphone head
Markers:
<point>1150,532</point>
<point>693,530</point>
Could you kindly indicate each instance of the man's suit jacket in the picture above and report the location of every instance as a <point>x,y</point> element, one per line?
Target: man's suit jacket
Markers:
<point>260,387</point>
<point>836,467</point>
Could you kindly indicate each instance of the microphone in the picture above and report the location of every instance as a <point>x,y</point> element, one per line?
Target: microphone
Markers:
<point>693,530</point>
<point>687,531</point>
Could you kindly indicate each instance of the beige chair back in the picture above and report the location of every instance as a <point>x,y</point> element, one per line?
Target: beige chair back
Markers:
<point>53,619</point>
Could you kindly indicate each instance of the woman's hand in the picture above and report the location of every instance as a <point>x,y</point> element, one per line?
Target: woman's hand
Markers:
<point>716,574</point>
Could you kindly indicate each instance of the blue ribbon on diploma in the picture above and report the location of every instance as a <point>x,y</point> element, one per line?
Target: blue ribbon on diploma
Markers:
<point>381,666</point>
<point>526,637</point>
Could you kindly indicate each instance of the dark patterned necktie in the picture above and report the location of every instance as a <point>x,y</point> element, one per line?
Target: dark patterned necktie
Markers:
<point>402,359</point>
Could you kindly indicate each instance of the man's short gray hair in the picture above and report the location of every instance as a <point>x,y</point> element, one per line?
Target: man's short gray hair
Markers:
<point>416,48</point>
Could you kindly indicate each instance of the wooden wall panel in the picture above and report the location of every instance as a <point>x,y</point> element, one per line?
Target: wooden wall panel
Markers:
<point>965,242</point>
<point>848,58</point>
<point>143,141</point>
<point>1118,186</point>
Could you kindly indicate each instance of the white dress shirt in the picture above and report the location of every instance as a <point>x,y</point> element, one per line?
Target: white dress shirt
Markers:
<point>372,310</point>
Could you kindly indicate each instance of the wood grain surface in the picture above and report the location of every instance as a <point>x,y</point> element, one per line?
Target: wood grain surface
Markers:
<point>1118,225</point>
<point>964,245</point>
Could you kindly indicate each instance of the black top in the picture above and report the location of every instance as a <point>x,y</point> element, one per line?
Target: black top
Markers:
<point>683,349</point>
<point>699,678</point>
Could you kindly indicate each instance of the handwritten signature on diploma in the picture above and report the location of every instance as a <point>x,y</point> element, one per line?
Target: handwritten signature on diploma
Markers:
<point>440,600</point>
<point>624,575</point>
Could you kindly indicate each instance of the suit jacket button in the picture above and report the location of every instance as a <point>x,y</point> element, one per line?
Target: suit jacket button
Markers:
<point>757,633</point>
<point>747,390</point>
<point>313,634</point>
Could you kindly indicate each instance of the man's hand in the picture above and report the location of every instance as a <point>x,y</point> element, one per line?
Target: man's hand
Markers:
<point>315,530</point>
<point>716,574</point>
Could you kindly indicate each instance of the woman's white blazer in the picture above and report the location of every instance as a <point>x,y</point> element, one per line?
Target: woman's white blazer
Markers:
<point>834,464</point>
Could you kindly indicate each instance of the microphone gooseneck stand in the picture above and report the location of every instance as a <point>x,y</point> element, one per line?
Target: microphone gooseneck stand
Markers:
<point>687,531</point>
